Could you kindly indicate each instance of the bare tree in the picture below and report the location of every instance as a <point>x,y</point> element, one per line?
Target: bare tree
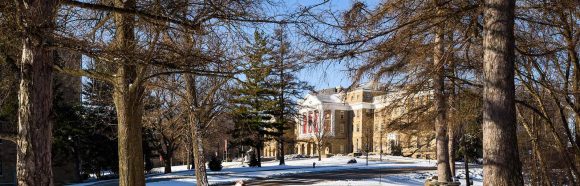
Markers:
<point>145,39</point>
<point>322,133</point>
<point>203,106</point>
<point>165,118</point>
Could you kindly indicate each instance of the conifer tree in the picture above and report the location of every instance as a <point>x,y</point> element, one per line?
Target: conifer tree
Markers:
<point>287,86</point>
<point>254,99</point>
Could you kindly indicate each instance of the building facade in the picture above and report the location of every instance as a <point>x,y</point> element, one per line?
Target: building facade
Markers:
<point>356,121</point>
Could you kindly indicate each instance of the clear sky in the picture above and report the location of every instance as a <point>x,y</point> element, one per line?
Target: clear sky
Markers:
<point>330,74</point>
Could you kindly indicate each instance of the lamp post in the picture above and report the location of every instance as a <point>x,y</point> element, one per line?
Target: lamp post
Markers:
<point>381,144</point>
<point>367,153</point>
<point>367,149</point>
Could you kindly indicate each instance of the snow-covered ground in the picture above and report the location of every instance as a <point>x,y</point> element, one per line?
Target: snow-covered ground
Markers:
<point>410,179</point>
<point>235,171</point>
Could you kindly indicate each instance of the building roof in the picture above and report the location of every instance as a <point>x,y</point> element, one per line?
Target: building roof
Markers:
<point>332,98</point>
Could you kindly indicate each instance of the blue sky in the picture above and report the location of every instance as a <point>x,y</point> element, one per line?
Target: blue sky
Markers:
<point>330,74</point>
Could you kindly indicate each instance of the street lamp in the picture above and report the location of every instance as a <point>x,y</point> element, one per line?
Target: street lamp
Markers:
<point>367,149</point>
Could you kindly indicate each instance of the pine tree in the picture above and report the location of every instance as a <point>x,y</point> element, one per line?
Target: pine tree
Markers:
<point>254,99</point>
<point>287,86</point>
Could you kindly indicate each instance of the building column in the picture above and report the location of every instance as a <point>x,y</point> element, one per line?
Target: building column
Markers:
<point>332,118</point>
<point>309,122</point>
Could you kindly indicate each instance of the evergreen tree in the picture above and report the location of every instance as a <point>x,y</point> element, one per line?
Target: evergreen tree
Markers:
<point>254,99</point>
<point>95,137</point>
<point>215,164</point>
<point>288,88</point>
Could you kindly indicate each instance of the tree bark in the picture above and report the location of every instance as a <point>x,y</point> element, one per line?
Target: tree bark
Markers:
<point>199,158</point>
<point>259,151</point>
<point>466,158</point>
<point>443,173</point>
<point>451,149</point>
<point>129,113</point>
<point>454,124</point>
<point>281,151</point>
<point>34,138</point>
<point>319,152</point>
<point>500,149</point>
<point>188,157</point>
<point>197,142</point>
<point>128,98</point>
<point>167,164</point>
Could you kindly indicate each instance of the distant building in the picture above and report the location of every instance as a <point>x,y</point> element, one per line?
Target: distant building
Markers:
<point>356,121</point>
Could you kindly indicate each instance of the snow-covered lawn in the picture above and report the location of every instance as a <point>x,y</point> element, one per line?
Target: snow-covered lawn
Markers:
<point>235,171</point>
<point>409,179</point>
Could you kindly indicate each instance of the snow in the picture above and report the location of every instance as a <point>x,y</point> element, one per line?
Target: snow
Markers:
<point>392,180</point>
<point>415,178</point>
<point>235,171</point>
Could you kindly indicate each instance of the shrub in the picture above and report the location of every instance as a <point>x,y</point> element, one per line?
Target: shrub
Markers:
<point>215,164</point>
<point>396,150</point>
<point>253,161</point>
<point>351,161</point>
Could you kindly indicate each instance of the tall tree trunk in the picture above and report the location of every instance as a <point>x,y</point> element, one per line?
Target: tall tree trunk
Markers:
<point>167,164</point>
<point>188,157</point>
<point>191,161</point>
<point>319,148</point>
<point>281,152</point>
<point>453,123</point>
<point>281,103</point>
<point>466,158</point>
<point>197,142</point>
<point>34,138</point>
<point>443,173</point>
<point>128,98</point>
<point>129,113</point>
<point>198,156</point>
<point>259,152</point>
<point>501,162</point>
<point>451,149</point>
